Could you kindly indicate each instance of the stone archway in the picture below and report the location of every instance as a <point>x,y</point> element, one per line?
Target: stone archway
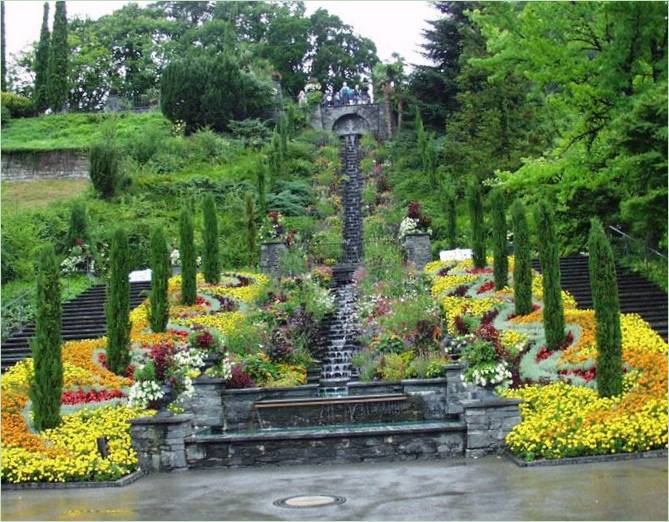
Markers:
<point>350,124</point>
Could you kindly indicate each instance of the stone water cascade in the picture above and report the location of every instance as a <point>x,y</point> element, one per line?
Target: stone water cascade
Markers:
<point>342,330</point>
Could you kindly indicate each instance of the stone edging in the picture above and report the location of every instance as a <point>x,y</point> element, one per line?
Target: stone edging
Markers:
<point>590,459</point>
<point>123,481</point>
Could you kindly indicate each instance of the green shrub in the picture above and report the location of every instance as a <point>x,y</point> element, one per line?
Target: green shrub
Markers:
<point>550,268</point>
<point>105,168</point>
<point>522,268</point>
<point>18,106</point>
<point>188,261</point>
<point>118,305</point>
<point>5,116</point>
<point>607,312</point>
<point>501,260</point>
<point>78,228</point>
<point>211,264</point>
<point>46,384</point>
<point>207,146</point>
<point>211,90</point>
<point>160,273</point>
<point>475,202</point>
<point>251,132</point>
<point>147,144</point>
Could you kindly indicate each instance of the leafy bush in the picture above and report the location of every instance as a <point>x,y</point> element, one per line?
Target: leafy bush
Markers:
<point>105,168</point>
<point>5,116</point>
<point>251,132</point>
<point>147,144</point>
<point>207,146</point>
<point>211,90</point>
<point>17,105</point>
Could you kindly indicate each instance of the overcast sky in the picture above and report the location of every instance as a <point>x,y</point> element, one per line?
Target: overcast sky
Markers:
<point>394,26</point>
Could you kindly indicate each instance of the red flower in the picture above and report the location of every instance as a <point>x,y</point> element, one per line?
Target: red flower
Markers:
<point>80,396</point>
<point>485,287</point>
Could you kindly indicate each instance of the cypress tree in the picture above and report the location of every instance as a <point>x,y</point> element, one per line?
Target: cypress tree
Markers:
<point>607,312</point>
<point>3,50</point>
<point>211,266</point>
<point>451,214</point>
<point>57,87</point>
<point>105,168</point>
<point>522,267</point>
<point>261,187</point>
<point>476,217</point>
<point>499,228</point>
<point>41,64</point>
<point>46,385</point>
<point>78,228</point>
<point>421,139</point>
<point>160,273</point>
<point>550,267</point>
<point>276,157</point>
<point>250,228</point>
<point>188,263</point>
<point>118,304</point>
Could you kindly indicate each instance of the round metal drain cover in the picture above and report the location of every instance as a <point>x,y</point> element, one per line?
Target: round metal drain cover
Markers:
<point>307,501</point>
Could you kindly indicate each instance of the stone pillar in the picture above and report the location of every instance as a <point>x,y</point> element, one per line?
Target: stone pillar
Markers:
<point>159,441</point>
<point>418,249</point>
<point>457,390</point>
<point>488,422</point>
<point>270,254</point>
<point>206,404</point>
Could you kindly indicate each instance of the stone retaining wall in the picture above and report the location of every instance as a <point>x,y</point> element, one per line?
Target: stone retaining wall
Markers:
<point>488,422</point>
<point>29,165</point>
<point>159,441</point>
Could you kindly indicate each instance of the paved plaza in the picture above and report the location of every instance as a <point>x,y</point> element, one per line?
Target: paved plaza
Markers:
<point>485,489</point>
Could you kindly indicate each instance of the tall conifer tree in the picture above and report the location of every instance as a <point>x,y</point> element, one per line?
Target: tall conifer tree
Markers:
<point>41,64</point>
<point>118,304</point>
<point>46,384</point>
<point>188,262</point>
<point>160,273</point>
<point>607,312</point>
<point>499,229</point>
<point>550,269</point>
<point>58,60</point>
<point>522,266</point>
<point>3,50</point>
<point>475,202</point>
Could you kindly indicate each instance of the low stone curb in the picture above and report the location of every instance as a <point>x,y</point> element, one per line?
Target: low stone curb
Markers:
<point>590,459</point>
<point>123,481</point>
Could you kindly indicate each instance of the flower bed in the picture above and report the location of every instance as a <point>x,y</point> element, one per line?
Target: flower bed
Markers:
<point>562,414</point>
<point>257,333</point>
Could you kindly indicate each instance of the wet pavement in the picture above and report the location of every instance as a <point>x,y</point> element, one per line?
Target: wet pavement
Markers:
<point>491,488</point>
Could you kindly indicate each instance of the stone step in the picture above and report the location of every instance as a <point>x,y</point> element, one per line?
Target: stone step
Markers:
<point>335,443</point>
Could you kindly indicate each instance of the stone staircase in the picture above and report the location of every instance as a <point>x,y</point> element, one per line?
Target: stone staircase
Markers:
<point>82,318</point>
<point>636,294</point>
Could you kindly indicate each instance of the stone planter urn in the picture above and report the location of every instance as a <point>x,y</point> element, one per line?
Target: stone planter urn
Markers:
<point>176,270</point>
<point>270,255</point>
<point>418,249</point>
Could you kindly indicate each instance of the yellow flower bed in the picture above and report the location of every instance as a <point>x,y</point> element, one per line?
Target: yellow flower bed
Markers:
<point>223,322</point>
<point>456,306</point>
<point>568,301</point>
<point>69,452</point>
<point>447,283</point>
<point>76,456</point>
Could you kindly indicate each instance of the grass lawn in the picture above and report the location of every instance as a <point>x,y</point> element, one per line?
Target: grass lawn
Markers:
<point>28,195</point>
<point>74,130</point>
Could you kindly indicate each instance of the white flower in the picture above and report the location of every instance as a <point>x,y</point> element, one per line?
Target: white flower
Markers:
<point>175,257</point>
<point>143,392</point>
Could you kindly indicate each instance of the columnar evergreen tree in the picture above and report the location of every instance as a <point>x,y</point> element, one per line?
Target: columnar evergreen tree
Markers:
<point>451,213</point>
<point>46,385</point>
<point>58,55</point>
<point>105,168</point>
<point>607,312</point>
<point>160,273</point>
<point>475,202</point>
<point>421,138</point>
<point>499,229</point>
<point>283,129</point>
<point>118,304</point>
<point>430,160</point>
<point>550,268</point>
<point>3,49</point>
<point>522,266</point>
<point>250,227</point>
<point>276,155</point>
<point>41,64</point>
<point>78,228</point>
<point>188,262</point>
<point>261,187</point>
<point>211,267</point>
